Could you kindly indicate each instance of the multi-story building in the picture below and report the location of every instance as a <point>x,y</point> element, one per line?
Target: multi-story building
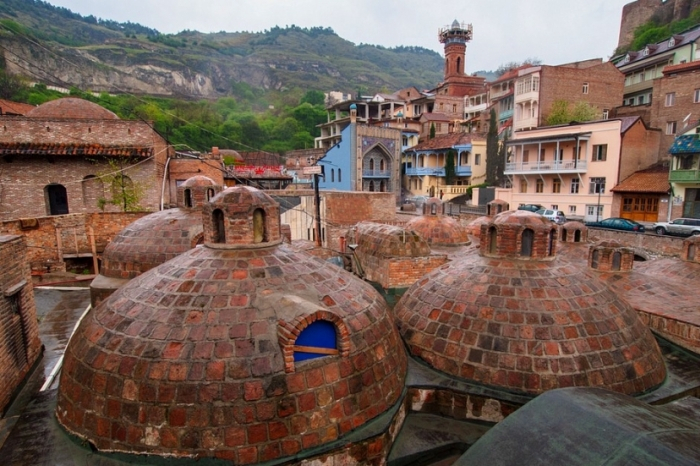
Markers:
<point>685,173</point>
<point>573,167</point>
<point>537,88</point>
<point>677,103</point>
<point>475,114</point>
<point>425,164</point>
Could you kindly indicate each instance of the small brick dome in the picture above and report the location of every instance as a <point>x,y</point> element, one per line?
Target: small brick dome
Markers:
<point>381,240</point>
<point>527,324</point>
<point>440,230</point>
<point>242,350</point>
<point>72,108</point>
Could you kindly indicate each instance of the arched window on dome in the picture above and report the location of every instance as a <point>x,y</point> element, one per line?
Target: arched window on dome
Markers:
<point>577,236</point>
<point>595,258</point>
<point>259,226</point>
<point>563,234</point>
<point>219,230</point>
<point>210,193</point>
<point>316,341</point>
<point>616,260</point>
<point>691,252</point>
<point>188,198</point>
<point>493,238</point>
<point>527,240</point>
<point>550,244</point>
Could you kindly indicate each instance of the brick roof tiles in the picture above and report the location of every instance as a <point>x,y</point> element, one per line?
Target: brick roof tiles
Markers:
<point>446,141</point>
<point>72,108</point>
<point>651,180</point>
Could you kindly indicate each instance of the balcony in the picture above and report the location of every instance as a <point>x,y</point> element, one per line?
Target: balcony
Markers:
<point>376,174</point>
<point>505,114</point>
<point>685,176</point>
<point>548,166</point>
<point>427,171</point>
<point>465,170</point>
<point>525,123</point>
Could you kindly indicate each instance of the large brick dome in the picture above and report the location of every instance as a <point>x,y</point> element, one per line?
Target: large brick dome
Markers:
<point>244,349</point>
<point>438,229</point>
<point>515,317</point>
<point>73,108</point>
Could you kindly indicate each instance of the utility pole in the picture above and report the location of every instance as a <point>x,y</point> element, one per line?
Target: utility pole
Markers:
<point>317,202</point>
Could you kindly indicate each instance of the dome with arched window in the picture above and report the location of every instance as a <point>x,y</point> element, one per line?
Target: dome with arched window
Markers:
<point>515,317</point>
<point>438,229</point>
<point>243,348</point>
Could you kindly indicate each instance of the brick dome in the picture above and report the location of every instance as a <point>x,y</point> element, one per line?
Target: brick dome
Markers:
<point>224,351</point>
<point>440,230</point>
<point>528,323</point>
<point>72,108</point>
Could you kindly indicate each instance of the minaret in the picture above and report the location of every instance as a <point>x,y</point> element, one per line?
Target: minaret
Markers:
<point>455,39</point>
<point>457,82</point>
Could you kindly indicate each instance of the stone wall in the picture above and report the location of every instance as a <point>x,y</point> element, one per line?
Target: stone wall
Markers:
<point>664,245</point>
<point>19,343</point>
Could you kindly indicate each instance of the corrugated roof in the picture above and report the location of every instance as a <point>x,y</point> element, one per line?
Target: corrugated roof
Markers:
<point>685,144</point>
<point>23,148</point>
<point>653,180</point>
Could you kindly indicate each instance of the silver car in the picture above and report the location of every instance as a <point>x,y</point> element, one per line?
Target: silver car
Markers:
<point>557,216</point>
<point>679,226</point>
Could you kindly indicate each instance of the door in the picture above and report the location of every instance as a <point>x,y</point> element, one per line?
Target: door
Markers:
<point>641,208</point>
<point>58,199</point>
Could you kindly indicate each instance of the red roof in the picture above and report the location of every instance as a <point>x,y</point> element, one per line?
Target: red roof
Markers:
<point>14,108</point>
<point>29,148</point>
<point>652,180</point>
<point>446,141</point>
<point>682,67</point>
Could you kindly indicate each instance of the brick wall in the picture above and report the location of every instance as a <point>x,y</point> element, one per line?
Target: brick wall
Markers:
<point>683,84</point>
<point>74,232</point>
<point>638,149</point>
<point>665,245</point>
<point>182,169</point>
<point>605,87</point>
<point>19,333</point>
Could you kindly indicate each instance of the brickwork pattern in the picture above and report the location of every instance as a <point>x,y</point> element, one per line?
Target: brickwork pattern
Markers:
<point>185,360</point>
<point>459,405</point>
<point>573,232</point>
<point>510,227</point>
<point>610,256</point>
<point>440,230</point>
<point>683,84</point>
<point>20,346</point>
<point>209,166</point>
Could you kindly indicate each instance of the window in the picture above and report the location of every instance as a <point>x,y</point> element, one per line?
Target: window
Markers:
<point>332,175</point>
<point>454,108</point>
<point>556,185</point>
<point>670,99</point>
<point>585,88</point>
<point>572,210</point>
<point>640,100</point>
<point>696,96</point>
<point>606,113</point>
<point>596,185</point>
<point>542,155</point>
<point>526,156</point>
<point>539,186</point>
<point>339,176</point>
<point>574,186</point>
<point>523,186</point>
<point>671,127</point>
<point>555,206</point>
<point>600,152</point>
<point>594,211</point>
<point>316,341</point>
<point>477,159</point>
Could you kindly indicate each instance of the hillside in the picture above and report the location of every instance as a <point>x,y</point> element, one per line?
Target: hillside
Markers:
<point>57,47</point>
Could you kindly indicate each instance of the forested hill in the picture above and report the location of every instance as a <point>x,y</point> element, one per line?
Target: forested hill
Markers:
<point>57,47</point>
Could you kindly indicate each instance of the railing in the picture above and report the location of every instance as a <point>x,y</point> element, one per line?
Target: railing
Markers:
<point>465,170</point>
<point>525,123</point>
<point>425,171</point>
<point>549,166</point>
<point>505,114</point>
<point>684,175</point>
<point>376,174</point>
<point>456,209</point>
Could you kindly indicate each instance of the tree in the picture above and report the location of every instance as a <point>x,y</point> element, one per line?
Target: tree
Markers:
<point>125,193</point>
<point>562,112</point>
<point>501,162</point>
<point>10,85</point>
<point>492,150</point>
<point>450,172</point>
<point>432,130</point>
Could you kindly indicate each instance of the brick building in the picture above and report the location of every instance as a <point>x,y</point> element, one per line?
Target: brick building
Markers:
<point>19,346</point>
<point>537,88</point>
<point>55,156</point>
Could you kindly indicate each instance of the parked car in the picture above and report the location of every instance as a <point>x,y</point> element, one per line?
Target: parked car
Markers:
<point>679,226</point>
<point>615,223</point>
<point>530,207</point>
<point>418,201</point>
<point>557,216</point>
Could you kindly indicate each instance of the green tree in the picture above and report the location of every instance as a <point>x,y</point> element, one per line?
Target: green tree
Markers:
<point>10,85</point>
<point>126,194</point>
<point>492,150</point>
<point>314,98</point>
<point>450,172</point>
<point>563,113</point>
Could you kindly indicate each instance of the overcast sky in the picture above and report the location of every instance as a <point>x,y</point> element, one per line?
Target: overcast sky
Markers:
<point>553,31</point>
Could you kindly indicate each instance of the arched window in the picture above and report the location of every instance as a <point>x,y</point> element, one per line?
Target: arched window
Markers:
<point>332,175</point>
<point>381,164</point>
<point>188,198</point>
<point>527,242</point>
<point>617,260</point>
<point>691,252</point>
<point>371,164</point>
<point>550,245</point>
<point>258,226</point>
<point>382,186</point>
<point>493,237</point>
<point>595,258</point>
<point>340,178</point>
<point>219,230</point>
<point>563,234</point>
<point>57,199</point>
<point>459,65</point>
<point>210,194</point>
<point>371,186</point>
<point>317,340</point>
<point>577,236</point>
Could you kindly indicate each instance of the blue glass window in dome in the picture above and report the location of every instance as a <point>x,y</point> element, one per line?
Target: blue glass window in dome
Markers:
<point>316,341</point>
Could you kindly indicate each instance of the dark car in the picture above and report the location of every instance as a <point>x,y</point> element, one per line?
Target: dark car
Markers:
<point>530,207</point>
<point>615,223</point>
